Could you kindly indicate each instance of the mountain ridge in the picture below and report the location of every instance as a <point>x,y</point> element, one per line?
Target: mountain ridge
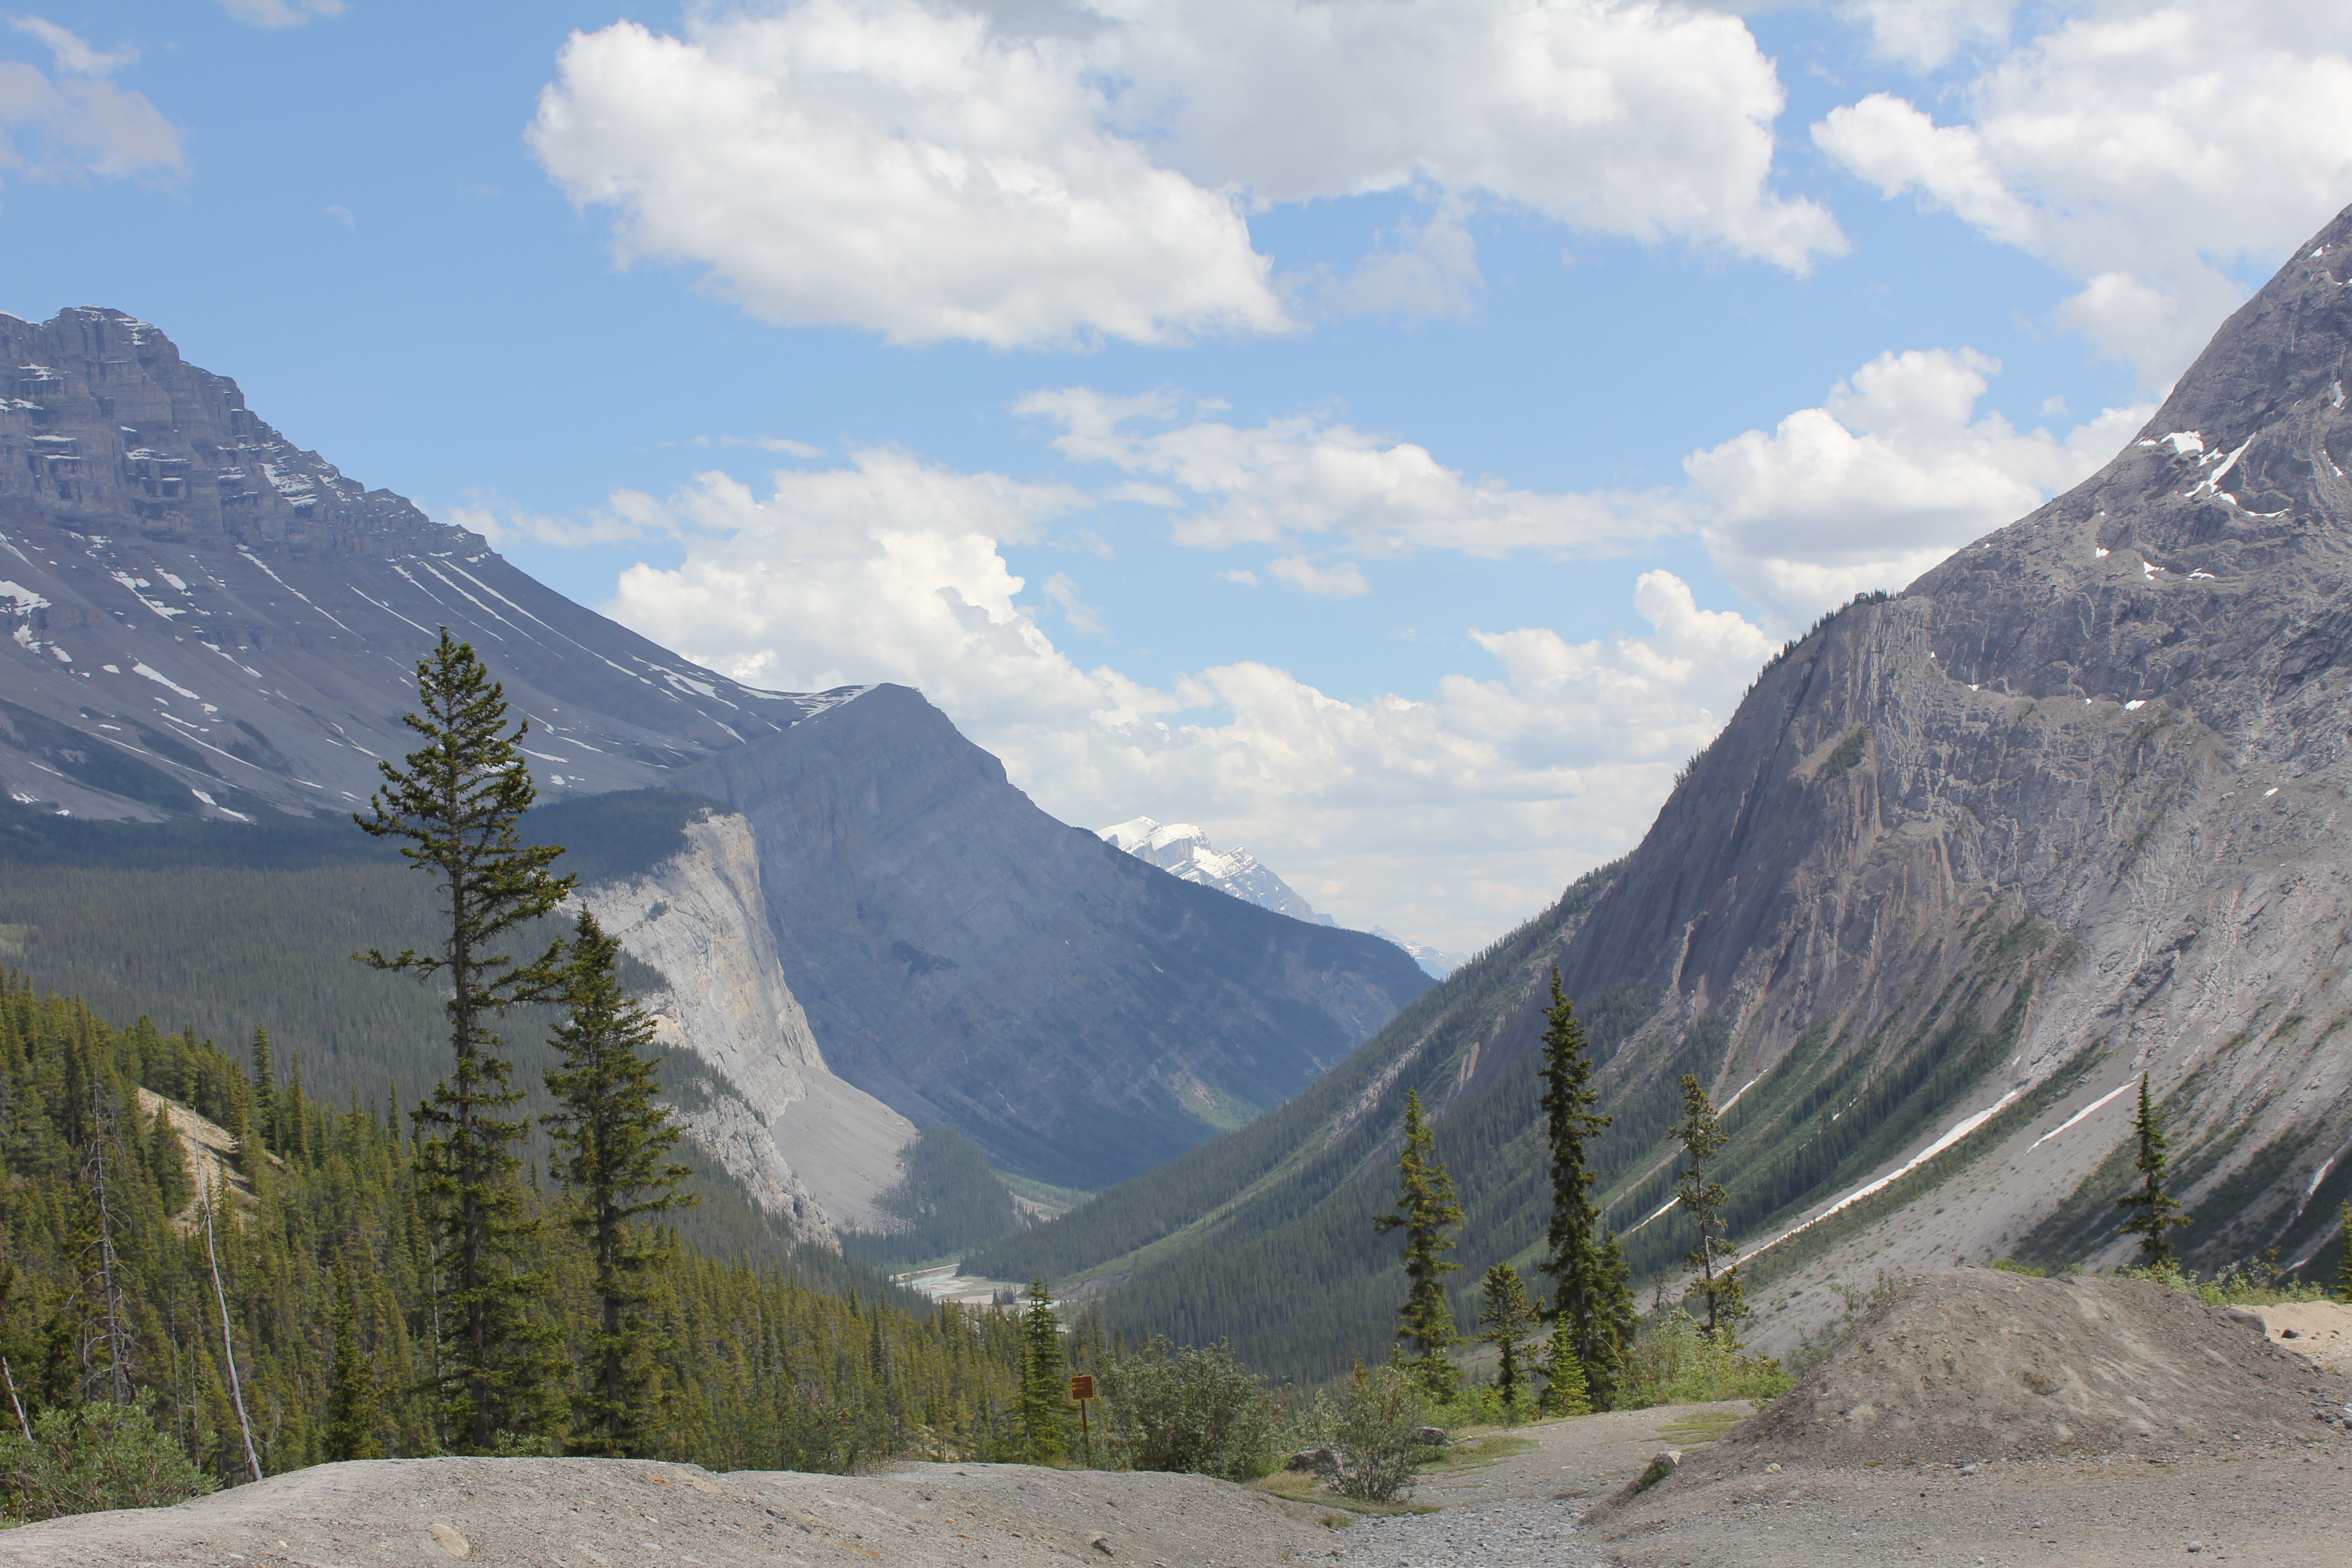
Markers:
<point>1964,863</point>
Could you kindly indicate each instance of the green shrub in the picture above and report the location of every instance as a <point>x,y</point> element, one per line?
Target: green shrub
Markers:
<point>1673,1363</point>
<point>1372,1424</point>
<point>95,1457</point>
<point>1195,1410</point>
<point>2246,1284</point>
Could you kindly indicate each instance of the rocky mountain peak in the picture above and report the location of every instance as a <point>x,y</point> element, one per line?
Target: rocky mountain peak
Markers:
<point>104,423</point>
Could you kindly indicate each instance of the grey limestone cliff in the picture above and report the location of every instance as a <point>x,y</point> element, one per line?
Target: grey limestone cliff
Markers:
<point>699,917</point>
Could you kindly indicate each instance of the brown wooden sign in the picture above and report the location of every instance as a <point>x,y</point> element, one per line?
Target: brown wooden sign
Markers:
<point>1082,1387</point>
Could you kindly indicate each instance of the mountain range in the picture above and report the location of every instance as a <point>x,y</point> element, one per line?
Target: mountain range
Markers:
<point>863,927</point>
<point>1967,865</point>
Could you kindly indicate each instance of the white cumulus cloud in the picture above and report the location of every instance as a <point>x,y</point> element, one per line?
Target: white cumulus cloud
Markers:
<point>1888,476</point>
<point>1026,175</point>
<point>1272,483</point>
<point>891,166</point>
<point>80,123</point>
<point>2138,148</point>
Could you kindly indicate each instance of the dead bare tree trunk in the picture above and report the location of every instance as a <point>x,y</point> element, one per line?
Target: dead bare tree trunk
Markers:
<point>228,1346</point>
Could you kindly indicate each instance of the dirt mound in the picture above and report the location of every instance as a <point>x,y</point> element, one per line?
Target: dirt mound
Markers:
<point>1981,1364</point>
<point>608,1513</point>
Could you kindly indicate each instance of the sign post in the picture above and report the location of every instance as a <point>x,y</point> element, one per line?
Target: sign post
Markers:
<point>1082,1389</point>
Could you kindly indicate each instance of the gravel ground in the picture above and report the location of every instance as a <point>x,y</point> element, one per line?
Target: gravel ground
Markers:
<point>1977,1419</point>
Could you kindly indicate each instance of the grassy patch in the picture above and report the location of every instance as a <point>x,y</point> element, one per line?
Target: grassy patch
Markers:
<point>1478,1452</point>
<point>1705,1426</point>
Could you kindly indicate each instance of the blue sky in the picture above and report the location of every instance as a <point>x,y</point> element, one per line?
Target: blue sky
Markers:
<point>1389,435</point>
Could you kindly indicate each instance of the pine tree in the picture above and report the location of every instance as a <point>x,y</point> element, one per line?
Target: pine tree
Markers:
<point>2344,1263</point>
<point>1425,1210</point>
<point>264,1094</point>
<point>352,1390</point>
<point>2154,1211</point>
<point>1505,1321</point>
<point>1572,1257</point>
<point>457,804</point>
<point>612,1139</point>
<point>1044,1397</point>
<point>1702,1137</point>
<point>1564,1391</point>
<point>169,1160</point>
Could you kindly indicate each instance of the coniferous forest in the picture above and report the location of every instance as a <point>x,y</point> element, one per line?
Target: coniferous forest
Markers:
<point>109,1284</point>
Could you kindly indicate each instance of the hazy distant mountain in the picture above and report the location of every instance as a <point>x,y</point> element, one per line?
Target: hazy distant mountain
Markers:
<point>1435,964</point>
<point>1965,864</point>
<point>210,622</point>
<point>1183,850</point>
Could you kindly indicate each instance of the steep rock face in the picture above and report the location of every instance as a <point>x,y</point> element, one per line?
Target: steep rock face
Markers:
<point>700,917</point>
<point>1962,867</point>
<point>967,958</point>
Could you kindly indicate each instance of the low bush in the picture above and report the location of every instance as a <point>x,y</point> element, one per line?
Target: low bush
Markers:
<point>2246,1284</point>
<point>1372,1425</point>
<point>1191,1410</point>
<point>91,1457</point>
<point>1673,1362</point>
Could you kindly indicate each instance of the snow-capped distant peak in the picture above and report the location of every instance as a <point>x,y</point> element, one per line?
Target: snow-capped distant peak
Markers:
<point>1183,850</point>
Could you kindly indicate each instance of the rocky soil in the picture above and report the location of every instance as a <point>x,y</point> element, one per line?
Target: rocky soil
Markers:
<point>599,1513</point>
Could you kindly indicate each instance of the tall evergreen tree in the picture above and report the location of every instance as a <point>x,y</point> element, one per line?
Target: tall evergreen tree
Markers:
<point>1571,1255</point>
<point>2344,1263</point>
<point>265,1093</point>
<point>1701,1134</point>
<point>1044,1396</point>
<point>2154,1212</point>
<point>1425,1211</point>
<point>1505,1321</point>
<point>351,1388</point>
<point>457,803</point>
<point>613,1139</point>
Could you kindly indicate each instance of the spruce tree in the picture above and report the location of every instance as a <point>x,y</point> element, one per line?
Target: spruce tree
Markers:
<point>1425,1210</point>
<point>613,1139</point>
<point>1719,1286</point>
<point>1505,1321</point>
<point>457,803</point>
<point>264,1094</point>
<point>2154,1212</point>
<point>1572,1257</point>
<point>1565,1392</point>
<point>352,1390</point>
<point>1044,1396</point>
<point>2344,1263</point>
<point>169,1160</point>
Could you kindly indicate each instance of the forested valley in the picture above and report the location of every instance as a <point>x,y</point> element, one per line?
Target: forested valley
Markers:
<point>109,1290</point>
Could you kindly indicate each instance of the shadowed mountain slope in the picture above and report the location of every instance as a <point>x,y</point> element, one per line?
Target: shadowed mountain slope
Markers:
<point>1963,866</point>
